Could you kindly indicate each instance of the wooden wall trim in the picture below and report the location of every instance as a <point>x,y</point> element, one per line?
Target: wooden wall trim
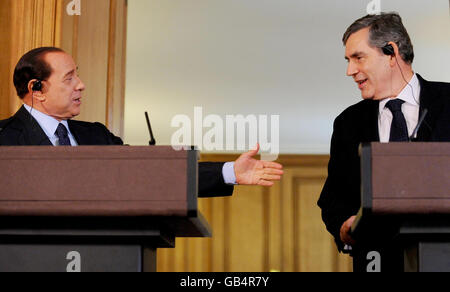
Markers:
<point>5,58</point>
<point>31,24</point>
<point>115,101</point>
<point>111,63</point>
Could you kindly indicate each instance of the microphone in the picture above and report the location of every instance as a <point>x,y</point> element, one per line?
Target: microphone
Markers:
<point>419,124</point>
<point>152,138</point>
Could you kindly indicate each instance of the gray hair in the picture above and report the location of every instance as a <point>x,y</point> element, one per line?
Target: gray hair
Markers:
<point>384,28</point>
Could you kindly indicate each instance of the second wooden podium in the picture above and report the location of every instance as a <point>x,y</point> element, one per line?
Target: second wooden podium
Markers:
<point>405,207</point>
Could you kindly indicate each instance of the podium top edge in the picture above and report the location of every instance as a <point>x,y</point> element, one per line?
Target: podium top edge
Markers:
<point>408,148</point>
<point>30,152</point>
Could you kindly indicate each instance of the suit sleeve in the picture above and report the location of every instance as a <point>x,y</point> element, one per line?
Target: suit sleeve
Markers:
<point>340,197</point>
<point>211,182</point>
<point>107,137</point>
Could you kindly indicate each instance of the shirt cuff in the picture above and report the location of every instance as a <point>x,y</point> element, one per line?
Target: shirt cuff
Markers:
<point>228,173</point>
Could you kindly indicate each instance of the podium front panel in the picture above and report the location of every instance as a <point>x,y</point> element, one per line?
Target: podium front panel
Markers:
<point>97,181</point>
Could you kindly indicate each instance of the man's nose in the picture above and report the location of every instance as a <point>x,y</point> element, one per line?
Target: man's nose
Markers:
<point>80,85</point>
<point>351,69</point>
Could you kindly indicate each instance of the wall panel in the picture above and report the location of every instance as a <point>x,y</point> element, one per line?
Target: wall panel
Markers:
<point>264,229</point>
<point>5,60</point>
<point>96,39</point>
<point>25,24</point>
<point>92,58</point>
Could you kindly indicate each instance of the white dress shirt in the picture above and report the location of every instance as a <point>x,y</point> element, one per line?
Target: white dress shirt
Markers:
<point>410,109</point>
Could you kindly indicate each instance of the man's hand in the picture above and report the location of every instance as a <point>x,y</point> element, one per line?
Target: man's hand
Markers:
<point>250,171</point>
<point>345,231</point>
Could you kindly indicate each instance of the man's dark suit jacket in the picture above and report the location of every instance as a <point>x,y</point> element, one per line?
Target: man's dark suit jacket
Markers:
<point>23,130</point>
<point>340,198</point>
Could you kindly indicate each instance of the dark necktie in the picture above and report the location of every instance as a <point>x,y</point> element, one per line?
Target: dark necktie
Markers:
<point>61,133</point>
<point>399,129</point>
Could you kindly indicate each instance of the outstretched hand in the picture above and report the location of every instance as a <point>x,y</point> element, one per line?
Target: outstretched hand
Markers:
<point>250,171</point>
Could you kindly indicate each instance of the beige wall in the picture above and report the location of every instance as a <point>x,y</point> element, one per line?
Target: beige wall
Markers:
<point>260,57</point>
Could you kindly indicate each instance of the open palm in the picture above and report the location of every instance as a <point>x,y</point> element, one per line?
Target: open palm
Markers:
<point>250,171</point>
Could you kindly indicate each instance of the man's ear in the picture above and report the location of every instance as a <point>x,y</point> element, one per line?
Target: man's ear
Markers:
<point>393,61</point>
<point>35,87</point>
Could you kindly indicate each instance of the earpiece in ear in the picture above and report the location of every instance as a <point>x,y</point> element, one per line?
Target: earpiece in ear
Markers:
<point>37,86</point>
<point>388,50</point>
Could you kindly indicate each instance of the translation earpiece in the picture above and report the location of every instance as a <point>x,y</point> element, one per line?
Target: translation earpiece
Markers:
<point>37,86</point>
<point>388,50</point>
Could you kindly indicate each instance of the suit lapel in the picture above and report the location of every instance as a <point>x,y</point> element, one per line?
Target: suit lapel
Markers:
<point>31,129</point>
<point>371,134</point>
<point>80,133</point>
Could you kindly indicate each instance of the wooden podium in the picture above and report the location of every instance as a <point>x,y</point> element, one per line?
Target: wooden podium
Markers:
<point>95,208</point>
<point>405,204</point>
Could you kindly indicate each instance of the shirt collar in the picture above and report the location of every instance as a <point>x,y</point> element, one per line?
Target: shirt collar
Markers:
<point>407,94</point>
<point>47,123</point>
